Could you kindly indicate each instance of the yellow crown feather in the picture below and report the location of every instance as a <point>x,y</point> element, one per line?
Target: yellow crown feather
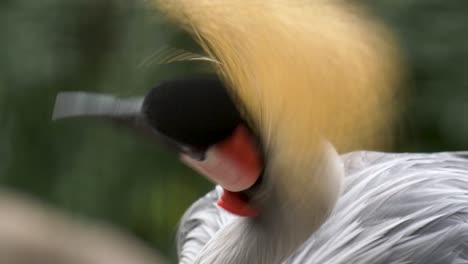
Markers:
<point>300,68</point>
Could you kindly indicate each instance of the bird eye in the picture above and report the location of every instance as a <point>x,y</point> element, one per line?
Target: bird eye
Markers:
<point>196,154</point>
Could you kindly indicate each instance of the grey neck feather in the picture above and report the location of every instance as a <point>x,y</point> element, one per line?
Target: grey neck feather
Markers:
<point>282,227</point>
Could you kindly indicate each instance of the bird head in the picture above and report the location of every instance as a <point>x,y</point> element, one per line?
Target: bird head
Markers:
<point>193,116</point>
<point>199,117</point>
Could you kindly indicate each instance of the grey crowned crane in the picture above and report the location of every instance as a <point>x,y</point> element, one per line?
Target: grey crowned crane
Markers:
<point>296,81</point>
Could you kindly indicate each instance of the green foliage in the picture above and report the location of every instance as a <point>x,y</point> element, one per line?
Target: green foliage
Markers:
<point>434,37</point>
<point>96,170</point>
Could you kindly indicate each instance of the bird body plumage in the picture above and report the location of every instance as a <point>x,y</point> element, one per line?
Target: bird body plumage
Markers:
<point>395,208</point>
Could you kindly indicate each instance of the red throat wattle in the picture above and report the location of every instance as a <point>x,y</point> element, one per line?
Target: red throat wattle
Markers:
<point>236,165</point>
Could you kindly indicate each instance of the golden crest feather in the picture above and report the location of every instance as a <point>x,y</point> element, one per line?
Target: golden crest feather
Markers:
<point>167,55</point>
<point>300,67</point>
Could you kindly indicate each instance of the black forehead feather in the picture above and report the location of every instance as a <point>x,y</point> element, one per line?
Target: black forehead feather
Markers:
<point>197,112</point>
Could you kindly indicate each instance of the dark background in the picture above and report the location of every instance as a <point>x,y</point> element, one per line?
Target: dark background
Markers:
<point>92,169</point>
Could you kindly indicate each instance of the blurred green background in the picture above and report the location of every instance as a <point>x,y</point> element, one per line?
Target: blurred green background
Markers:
<point>93,169</point>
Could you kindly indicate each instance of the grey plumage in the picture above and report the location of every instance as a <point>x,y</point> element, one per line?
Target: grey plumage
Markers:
<point>395,208</point>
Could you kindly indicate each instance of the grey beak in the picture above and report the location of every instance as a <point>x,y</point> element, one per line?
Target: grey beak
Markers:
<point>125,112</point>
<point>83,104</point>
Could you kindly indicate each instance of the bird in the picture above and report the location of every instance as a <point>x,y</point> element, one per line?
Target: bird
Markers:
<point>295,84</point>
<point>394,207</point>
